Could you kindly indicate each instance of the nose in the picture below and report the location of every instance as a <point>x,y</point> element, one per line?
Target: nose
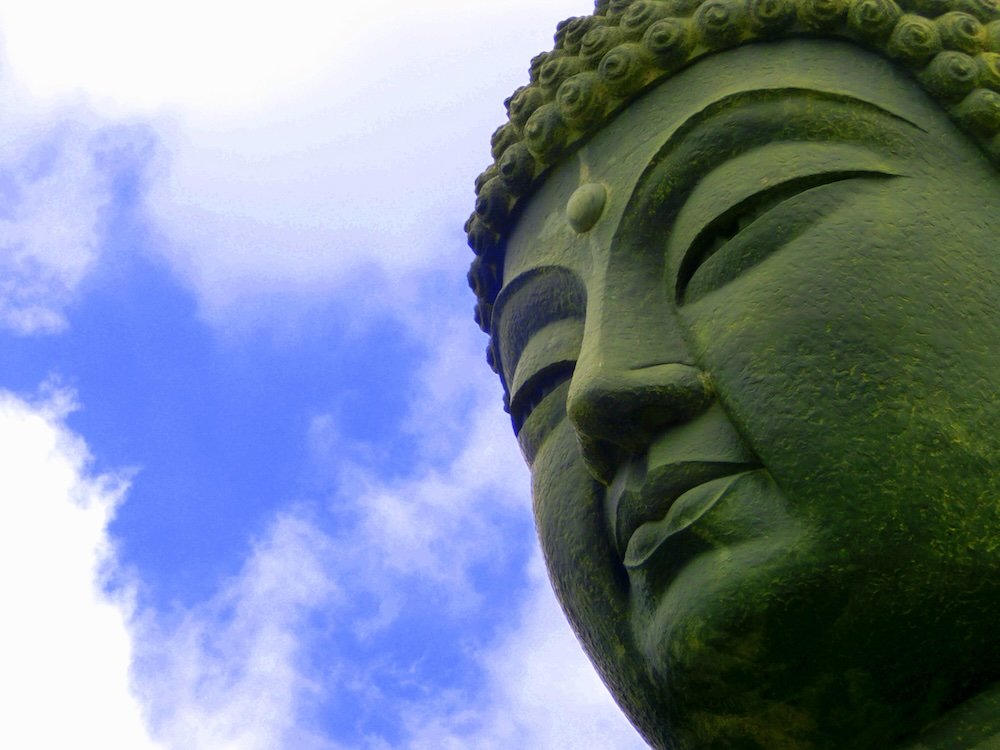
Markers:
<point>617,412</point>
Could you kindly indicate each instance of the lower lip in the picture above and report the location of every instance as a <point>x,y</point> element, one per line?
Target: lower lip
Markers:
<point>684,512</point>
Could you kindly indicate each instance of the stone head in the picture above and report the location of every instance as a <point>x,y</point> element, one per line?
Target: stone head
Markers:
<point>737,262</point>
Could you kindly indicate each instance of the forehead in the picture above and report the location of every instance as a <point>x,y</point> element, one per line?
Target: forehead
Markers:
<point>620,153</point>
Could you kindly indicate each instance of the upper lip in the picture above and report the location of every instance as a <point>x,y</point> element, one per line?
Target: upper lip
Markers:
<point>641,494</point>
<point>686,455</point>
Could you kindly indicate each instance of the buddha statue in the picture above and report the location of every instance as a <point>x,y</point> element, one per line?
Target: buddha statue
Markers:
<point>738,264</point>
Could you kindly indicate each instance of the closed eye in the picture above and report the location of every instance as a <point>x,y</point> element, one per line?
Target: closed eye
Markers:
<point>535,389</point>
<point>727,226</point>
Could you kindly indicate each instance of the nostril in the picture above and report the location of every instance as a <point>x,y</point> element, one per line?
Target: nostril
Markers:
<point>602,459</point>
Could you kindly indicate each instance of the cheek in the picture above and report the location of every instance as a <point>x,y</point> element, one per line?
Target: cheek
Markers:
<point>588,579</point>
<point>853,363</point>
<point>568,506</point>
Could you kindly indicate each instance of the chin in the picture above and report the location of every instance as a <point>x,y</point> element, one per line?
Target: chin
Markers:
<point>753,648</point>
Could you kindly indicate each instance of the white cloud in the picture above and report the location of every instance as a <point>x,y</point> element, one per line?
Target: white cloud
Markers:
<point>213,54</point>
<point>65,645</point>
<point>308,148</point>
<point>219,57</point>
<point>223,676</point>
<point>363,178</point>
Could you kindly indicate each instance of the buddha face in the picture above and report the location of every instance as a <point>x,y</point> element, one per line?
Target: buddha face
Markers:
<point>750,335</point>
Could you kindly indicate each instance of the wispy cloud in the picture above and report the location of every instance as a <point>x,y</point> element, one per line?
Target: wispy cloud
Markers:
<point>538,691</point>
<point>458,506</point>
<point>232,673</point>
<point>55,184</point>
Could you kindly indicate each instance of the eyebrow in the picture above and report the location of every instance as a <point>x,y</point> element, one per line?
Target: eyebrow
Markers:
<point>732,126</point>
<point>528,303</point>
<point>729,105</point>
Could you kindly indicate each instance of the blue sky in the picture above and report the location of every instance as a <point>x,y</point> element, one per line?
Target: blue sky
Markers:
<point>259,488</point>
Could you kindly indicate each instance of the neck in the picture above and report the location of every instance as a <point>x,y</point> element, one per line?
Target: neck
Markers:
<point>974,725</point>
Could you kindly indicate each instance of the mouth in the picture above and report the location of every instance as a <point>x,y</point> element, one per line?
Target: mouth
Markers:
<point>648,505</point>
<point>681,475</point>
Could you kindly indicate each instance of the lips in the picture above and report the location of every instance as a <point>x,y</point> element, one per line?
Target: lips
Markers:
<point>646,506</point>
<point>684,471</point>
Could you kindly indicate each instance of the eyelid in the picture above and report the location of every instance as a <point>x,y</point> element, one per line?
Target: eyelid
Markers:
<point>762,168</point>
<point>528,303</point>
<point>536,389</point>
<point>555,346</point>
<point>544,420</point>
<point>750,209</point>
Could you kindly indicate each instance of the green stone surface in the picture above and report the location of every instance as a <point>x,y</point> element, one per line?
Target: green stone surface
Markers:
<point>757,387</point>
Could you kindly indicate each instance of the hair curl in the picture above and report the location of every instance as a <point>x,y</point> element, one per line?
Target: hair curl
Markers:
<point>602,61</point>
